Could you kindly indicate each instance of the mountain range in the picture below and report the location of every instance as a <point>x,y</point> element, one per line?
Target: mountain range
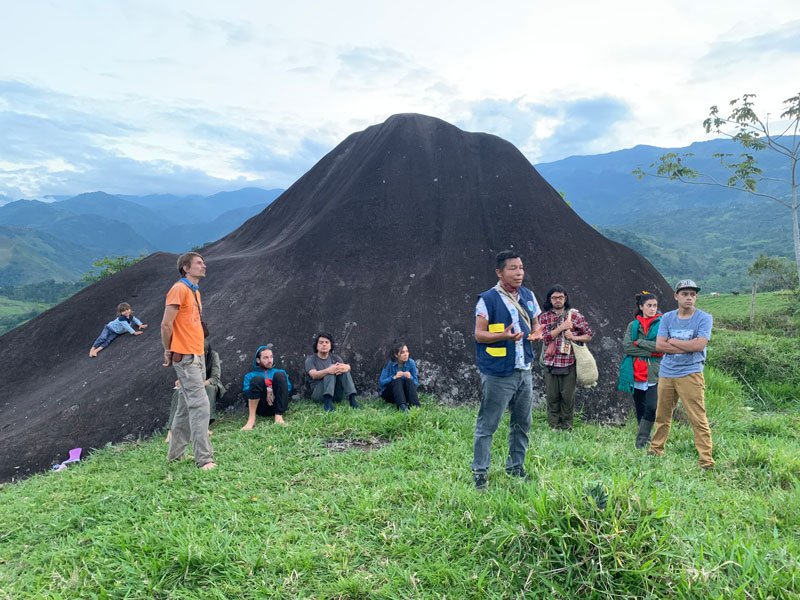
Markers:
<point>710,232</point>
<point>59,240</point>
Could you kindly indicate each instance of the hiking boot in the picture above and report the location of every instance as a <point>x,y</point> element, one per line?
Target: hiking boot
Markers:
<point>520,473</point>
<point>643,434</point>
<point>353,403</point>
<point>481,481</point>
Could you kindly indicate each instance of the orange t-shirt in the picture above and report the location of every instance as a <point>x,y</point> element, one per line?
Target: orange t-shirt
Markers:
<point>187,332</point>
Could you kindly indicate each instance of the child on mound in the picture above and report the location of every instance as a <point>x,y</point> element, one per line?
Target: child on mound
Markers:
<point>120,325</point>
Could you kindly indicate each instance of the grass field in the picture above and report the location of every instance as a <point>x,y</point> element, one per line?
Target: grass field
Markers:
<point>293,513</point>
<point>378,504</point>
<point>15,312</point>
<point>773,311</point>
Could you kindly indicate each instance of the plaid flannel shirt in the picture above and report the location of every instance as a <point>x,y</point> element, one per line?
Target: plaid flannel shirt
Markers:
<point>549,320</point>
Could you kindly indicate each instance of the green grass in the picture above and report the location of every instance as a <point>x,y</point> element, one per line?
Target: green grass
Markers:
<point>285,517</point>
<point>763,356</point>
<point>773,311</point>
<point>16,312</point>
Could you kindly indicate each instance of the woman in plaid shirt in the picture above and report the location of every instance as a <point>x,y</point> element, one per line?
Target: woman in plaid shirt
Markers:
<point>561,325</point>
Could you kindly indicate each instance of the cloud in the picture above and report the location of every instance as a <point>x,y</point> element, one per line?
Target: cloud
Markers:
<point>372,68</point>
<point>728,55</point>
<point>58,144</point>
<point>545,132</point>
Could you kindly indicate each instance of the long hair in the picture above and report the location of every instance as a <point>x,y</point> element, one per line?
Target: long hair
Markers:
<point>394,350</point>
<point>553,290</point>
<point>327,336</point>
<point>641,298</point>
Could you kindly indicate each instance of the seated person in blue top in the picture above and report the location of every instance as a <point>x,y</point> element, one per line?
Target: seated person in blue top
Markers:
<point>266,389</point>
<point>115,328</point>
<point>399,380</point>
<point>330,375</point>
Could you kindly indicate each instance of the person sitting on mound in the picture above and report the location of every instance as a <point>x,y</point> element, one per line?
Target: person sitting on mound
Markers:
<point>330,375</point>
<point>266,388</point>
<point>399,379</point>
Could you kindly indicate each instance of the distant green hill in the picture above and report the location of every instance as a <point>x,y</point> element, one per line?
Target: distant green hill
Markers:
<point>59,240</point>
<point>714,245</point>
<point>28,256</point>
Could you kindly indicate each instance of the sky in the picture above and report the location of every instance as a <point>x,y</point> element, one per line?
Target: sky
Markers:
<point>196,97</point>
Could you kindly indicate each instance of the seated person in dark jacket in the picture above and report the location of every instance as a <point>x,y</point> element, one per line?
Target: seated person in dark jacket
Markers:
<point>330,375</point>
<point>266,389</point>
<point>399,380</point>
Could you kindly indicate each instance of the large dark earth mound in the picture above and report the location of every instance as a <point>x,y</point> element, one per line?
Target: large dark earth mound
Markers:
<point>391,235</point>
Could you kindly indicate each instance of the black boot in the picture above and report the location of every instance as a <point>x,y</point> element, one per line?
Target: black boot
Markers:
<point>643,435</point>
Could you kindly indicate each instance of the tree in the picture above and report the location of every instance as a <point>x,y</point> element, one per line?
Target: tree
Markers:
<point>771,272</point>
<point>110,265</point>
<point>754,134</point>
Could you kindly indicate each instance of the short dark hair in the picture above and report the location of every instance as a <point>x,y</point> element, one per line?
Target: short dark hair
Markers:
<point>502,257</point>
<point>641,298</point>
<point>322,334</point>
<point>122,307</point>
<point>184,260</point>
<point>395,348</point>
<point>557,288</point>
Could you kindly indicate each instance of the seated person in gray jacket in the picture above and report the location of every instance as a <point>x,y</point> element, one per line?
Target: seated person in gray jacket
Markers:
<point>330,375</point>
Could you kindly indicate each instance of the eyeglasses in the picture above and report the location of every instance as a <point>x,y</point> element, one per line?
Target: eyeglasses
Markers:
<point>557,297</point>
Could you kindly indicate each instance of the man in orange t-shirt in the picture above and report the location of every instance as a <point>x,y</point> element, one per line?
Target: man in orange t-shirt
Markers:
<point>182,336</point>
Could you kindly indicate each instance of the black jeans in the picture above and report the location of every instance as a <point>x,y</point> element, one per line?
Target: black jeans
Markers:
<point>401,391</point>
<point>645,403</point>
<point>280,389</point>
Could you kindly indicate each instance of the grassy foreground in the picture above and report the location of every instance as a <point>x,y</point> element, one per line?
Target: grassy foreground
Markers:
<point>286,516</point>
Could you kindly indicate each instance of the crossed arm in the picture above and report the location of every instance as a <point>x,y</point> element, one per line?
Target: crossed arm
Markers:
<point>675,346</point>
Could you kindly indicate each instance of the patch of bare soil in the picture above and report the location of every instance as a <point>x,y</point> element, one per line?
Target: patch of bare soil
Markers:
<point>344,444</point>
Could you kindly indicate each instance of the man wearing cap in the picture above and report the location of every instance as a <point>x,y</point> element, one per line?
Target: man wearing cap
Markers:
<point>683,337</point>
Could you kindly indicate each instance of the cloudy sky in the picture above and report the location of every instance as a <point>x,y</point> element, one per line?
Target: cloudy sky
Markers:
<point>201,96</point>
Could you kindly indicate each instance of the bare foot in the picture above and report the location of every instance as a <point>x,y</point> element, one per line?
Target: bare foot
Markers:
<point>169,436</point>
<point>209,466</point>
<point>248,426</point>
<point>92,353</point>
<point>279,420</point>
<point>210,433</point>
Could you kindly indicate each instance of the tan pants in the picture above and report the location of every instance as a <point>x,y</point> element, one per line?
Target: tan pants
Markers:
<point>690,389</point>
<point>190,422</point>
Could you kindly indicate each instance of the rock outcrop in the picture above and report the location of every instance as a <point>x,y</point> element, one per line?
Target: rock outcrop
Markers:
<point>390,236</point>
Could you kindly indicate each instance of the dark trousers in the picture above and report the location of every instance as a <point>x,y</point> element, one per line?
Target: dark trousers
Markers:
<point>105,338</point>
<point>401,391</point>
<point>645,403</point>
<point>560,393</point>
<point>280,390</point>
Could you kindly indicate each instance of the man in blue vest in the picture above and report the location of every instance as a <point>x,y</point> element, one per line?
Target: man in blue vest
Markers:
<point>506,322</point>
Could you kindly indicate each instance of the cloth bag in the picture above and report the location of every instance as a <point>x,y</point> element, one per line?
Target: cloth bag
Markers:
<point>585,366</point>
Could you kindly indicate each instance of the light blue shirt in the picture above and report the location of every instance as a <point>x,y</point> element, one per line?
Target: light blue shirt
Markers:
<point>519,349</point>
<point>122,326</point>
<point>697,326</point>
